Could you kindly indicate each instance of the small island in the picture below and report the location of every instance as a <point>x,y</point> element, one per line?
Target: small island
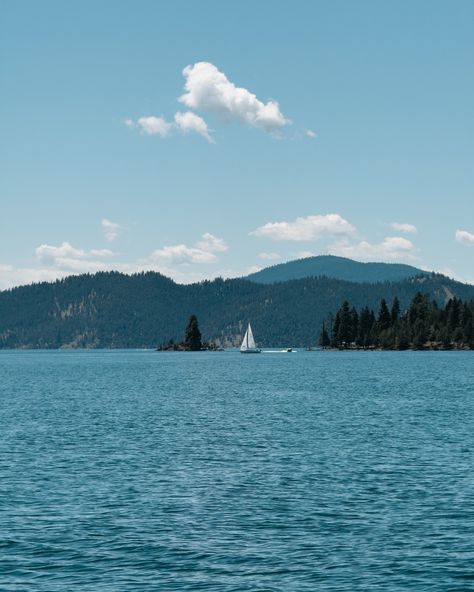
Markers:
<point>192,340</point>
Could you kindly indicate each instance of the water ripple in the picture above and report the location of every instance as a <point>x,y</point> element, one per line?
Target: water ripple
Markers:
<point>124,471</point>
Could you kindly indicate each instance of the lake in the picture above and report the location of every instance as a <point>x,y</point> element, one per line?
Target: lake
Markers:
<point>334,471</point>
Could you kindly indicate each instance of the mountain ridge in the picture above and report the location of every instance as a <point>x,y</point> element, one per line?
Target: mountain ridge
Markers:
<point>115,310</point>
<point>332,266</point>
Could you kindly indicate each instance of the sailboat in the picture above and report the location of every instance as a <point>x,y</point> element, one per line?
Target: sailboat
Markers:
<point>248,344</point>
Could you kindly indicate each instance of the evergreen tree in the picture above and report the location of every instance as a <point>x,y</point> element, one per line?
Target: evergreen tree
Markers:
<point>354,332</point>
<point>365,327</point>
<point>335,330</point>
<point>344,333</point>
<point>395,312</point>
<point>324,340</point>
<point>453,314</point>
<point>419,334</point>
<point>384,319</point>
<point>192,335</point>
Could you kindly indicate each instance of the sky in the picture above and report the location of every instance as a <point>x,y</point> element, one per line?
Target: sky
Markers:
<point>211,138</point>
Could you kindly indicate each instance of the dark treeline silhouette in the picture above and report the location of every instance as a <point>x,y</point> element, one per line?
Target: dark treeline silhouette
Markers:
<point>423,325</point>
<point>113,310</point>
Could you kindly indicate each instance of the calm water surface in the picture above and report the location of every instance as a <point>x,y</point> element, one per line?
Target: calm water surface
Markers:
<point>124,471</point>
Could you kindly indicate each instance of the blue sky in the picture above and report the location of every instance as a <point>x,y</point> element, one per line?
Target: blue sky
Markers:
<point>213,138</point>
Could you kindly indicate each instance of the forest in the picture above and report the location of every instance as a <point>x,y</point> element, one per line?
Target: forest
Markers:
<point>147,310</point>
<point>423,325</point>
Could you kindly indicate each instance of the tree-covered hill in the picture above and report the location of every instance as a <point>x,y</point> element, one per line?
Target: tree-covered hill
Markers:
<point>340,268</point>
<point>145,310</point>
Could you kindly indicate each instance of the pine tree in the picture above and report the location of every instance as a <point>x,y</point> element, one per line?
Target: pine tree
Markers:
<point>344,333</point>
<point>354,332</point>
<point>453,313</point>
<point>365,327</point>
<point>192,335</point>
<point>335,330</point>
<point>395,312</point>
<point>384,319</point>
<point>324,340</point>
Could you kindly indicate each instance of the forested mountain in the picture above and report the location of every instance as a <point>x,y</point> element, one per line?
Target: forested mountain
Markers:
<point>335,267</point>
<point>145,310</point>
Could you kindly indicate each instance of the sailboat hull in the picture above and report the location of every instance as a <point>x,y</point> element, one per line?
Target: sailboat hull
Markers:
<point>250,351</point>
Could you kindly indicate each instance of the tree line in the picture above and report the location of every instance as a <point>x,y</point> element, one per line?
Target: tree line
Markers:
<point>423,325</point>
<point>114,310</point>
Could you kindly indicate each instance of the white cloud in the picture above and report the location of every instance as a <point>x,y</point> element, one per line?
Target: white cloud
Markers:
<point>212,243</point>
<point>59,261</point>
<point>111,229</point>
<point>12,276</point>
<point>154,126</point>
<point>190,122</point>
<point>62,251</point>
<point>204,251</point>
<point>67,251</point>
<point>67,258</point>
<point>182,254</point>
<point>306,229</point>
<point>310,133</point>
<point>208,89</point>
<point>392,248</point>
<point>304,254</point>
<point>464,237</point>
<point>248,271</point>
<point>400,227</point>
<point>269,256</point>
<point>129,123</point>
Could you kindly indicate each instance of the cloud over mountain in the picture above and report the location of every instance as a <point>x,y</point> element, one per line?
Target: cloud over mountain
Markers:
<point>306,229</point>
<point>392,248</point>
<point>204,251</point>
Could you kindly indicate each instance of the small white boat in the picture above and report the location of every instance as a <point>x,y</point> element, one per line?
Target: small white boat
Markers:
<point>248,344</point>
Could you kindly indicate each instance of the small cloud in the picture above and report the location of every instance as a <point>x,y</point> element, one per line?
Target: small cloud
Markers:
<point>304,254</point>
<point>67,258</point>
<point>306,229</point>
<point>464,237</point>
<point>153,126</point>
<point>204,251</point>
<point>251,269</point>
<point>407,228</point>
<point>310,133</point>
<point>129,123</point>
<point>19,276</point>
<point>212,243</point>
<point>208,89</point>
<point>392,248</point>
<point>269,256</point>
<point>111,229</point>
<point>61,251</point>
<point>190,122</point>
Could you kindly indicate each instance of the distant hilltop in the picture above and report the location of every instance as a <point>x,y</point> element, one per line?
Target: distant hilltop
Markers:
<point>339,268</point>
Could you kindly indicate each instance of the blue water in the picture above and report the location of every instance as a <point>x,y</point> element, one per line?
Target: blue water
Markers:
<point>128,470</point>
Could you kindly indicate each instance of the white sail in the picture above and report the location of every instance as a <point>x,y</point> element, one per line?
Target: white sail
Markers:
<point>248,344</point>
